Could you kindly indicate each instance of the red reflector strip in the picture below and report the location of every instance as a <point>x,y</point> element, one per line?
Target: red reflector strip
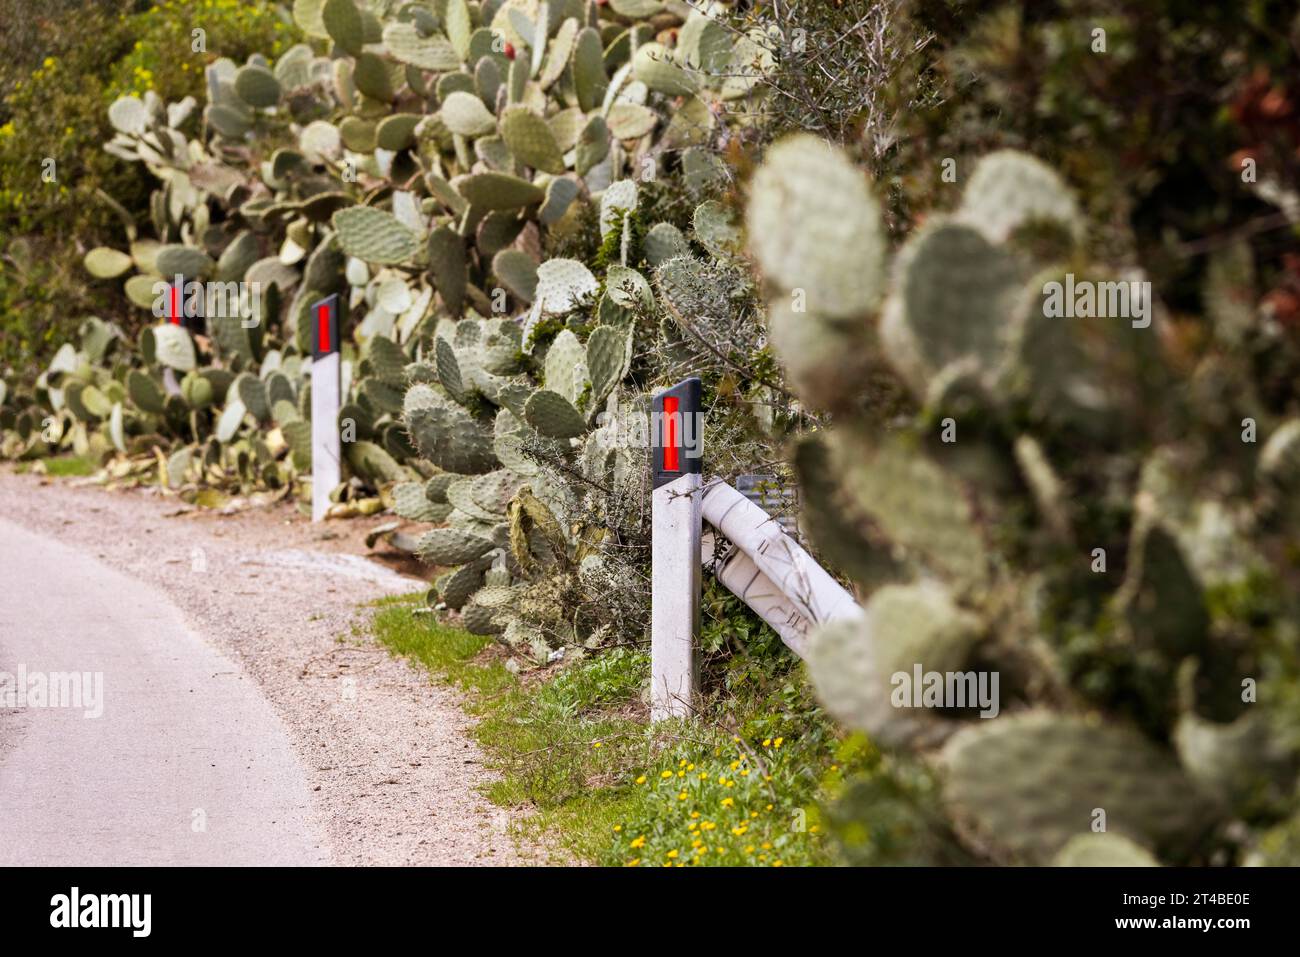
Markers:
<point>323,327</point>
<point>176,306</point>
<point>670,433</point>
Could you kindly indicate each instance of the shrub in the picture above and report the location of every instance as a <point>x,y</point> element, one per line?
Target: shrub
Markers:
<point>83,60</point>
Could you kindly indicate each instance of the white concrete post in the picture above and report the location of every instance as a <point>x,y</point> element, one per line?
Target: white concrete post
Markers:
<point>675,550</point>
<point>326,450</point>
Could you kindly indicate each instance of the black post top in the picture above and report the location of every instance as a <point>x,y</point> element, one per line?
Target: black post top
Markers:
<point>183,310</point>
<point>325,325</point>
<point>677,432</point>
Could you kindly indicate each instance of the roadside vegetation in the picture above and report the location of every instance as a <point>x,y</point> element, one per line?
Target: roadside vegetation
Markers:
<point>846,219</point>
<point>742,785</point>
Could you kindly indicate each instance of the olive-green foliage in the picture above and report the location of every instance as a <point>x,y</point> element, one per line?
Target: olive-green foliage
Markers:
<point>571,745</point>
<point>59,71</point>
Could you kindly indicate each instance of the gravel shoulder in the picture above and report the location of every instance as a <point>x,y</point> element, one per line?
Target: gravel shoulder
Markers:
<point>394,777</point>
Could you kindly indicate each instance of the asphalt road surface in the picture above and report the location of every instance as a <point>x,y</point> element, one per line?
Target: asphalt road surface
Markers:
<point>172,756</point>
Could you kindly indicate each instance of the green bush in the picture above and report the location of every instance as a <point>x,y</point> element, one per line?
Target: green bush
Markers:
<point>57,111</point>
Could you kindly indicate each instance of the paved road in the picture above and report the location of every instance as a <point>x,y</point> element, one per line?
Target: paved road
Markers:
<point>187,764</point>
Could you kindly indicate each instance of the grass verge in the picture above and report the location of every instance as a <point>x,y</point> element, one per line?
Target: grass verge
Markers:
<point>64,466</point>
<point>741,785</point>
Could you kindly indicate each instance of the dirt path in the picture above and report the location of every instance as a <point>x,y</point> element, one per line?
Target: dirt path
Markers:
<point>260,600</point>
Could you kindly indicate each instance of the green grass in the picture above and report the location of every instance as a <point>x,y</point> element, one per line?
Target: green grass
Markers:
<point>70,465</point>
<point>571,745</point>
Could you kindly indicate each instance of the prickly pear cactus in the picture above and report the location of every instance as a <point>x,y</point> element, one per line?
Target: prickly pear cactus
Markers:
<point>1060,504</point>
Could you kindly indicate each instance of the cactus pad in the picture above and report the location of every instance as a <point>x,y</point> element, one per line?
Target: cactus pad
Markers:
<point>814,225</point>
<point>374,235</point>
<point>1029,782</point>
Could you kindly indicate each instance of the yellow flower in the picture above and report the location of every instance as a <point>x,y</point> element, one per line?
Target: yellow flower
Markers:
<point>753,814</point>
<point>641,779</point>
<point>695,814</point>
<point>666,774</point>
<point>681,763</point>
<point>673,852</point>
<point>814,829</point>
<point>767,742</point>
<point>697,843</point>
<point>749,849</point>
<point>48,63</point>
<point>738,831</point>
<point>777,863</point>
<point>596,744</point>
<point>617,828</point>
<point>682,796</point>
<point>634,862</point>
<point>767,845</point>
<point>639,842</point>
<point>735,765</point>
<point>709,826</point>
<point>769,807</point>
<point>728,802</point>
<point>690,767</point>
<point>777,742</point>
<point>745,773</point>
<point>681,774</point>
